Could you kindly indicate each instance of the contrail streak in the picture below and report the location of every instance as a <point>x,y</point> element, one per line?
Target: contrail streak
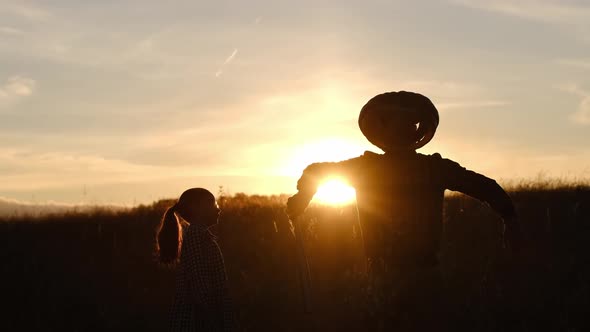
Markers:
<point>227,61</point>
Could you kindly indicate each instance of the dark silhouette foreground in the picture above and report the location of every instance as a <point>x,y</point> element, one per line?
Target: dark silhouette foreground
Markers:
<point>99,269</point>
<point>201,301</point>
<point>400,206</point>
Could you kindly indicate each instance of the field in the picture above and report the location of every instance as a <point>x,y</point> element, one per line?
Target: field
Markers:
<point>96,271</point>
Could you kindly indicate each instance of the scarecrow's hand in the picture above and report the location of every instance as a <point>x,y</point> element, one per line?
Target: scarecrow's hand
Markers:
<point>296,204</point>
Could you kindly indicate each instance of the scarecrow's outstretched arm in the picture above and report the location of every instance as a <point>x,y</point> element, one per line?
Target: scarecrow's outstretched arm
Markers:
<point>312,177</point>
<point>307,185</point>
<point>478,186</point>
<point>485,189</point>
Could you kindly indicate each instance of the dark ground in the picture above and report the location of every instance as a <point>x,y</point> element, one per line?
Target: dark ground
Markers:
<point>96,271</point>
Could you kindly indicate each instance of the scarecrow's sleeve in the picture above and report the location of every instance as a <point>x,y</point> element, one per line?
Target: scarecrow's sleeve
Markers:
<point>457,178</point>
<point>313,176</point>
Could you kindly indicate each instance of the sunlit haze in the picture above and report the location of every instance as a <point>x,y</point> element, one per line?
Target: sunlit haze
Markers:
<point>335,192</point>
<point>127,102</point>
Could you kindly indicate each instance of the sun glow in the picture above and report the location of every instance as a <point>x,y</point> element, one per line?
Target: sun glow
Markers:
<point>321,151</point>
<point>336,192</point>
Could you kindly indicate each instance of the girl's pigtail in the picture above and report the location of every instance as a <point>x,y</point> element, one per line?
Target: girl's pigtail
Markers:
<point>169,238</point>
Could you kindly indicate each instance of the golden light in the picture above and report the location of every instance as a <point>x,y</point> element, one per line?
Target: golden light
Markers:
<point>335,192</point>
<point>319,151</point>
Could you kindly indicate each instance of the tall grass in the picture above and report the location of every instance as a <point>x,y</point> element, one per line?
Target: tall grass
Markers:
<point>96,271</point>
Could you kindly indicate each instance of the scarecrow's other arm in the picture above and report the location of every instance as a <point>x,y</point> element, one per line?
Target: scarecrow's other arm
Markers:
<point>485,189</point>
<point>458,178</point>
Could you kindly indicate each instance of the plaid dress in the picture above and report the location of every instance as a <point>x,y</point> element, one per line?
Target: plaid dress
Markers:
<point>201,300</point>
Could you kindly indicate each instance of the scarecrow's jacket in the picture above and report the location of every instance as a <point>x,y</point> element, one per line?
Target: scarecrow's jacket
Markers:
<point>400,199</point>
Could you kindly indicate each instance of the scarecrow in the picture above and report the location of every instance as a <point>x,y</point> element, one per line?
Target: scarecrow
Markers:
<point>400,205</point>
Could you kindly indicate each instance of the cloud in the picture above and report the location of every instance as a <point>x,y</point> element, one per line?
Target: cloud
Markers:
<point>550,11</point>
<point>582,114</point>
<point>25,11</point>
<point>578,63</point>
<point>16,88</point>
<point>19,86</point>
<point>472,104</point>
<point>449,95</point>
<point>10,31</point>
<point>26,169</point>
<point>511,162</point>
<point>227,61</point>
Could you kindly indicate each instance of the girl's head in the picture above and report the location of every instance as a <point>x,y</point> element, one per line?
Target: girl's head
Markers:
<point>196,206</point>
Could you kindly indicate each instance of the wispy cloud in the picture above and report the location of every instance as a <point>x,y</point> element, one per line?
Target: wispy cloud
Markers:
<point>227,61</point>
<point>448,95</point>
<point>582,114</point>
<point>30,169</point>
<point>578,63</point>
<point>10,31</point>
<point>26,11</point>
<point>506,161</point>
<point>63,175</point>
<point>552,11</point>
<point>16,88</point>
<point>472,104</point>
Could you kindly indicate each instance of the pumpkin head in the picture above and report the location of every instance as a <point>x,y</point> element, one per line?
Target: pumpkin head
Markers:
<point>399,120</point>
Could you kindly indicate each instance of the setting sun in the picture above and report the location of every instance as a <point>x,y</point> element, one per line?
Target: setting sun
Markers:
<point>335,191</point>
<point>326,150</point>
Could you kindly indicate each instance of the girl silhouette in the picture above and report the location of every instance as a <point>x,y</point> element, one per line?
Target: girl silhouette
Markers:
<point>201,300</point>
